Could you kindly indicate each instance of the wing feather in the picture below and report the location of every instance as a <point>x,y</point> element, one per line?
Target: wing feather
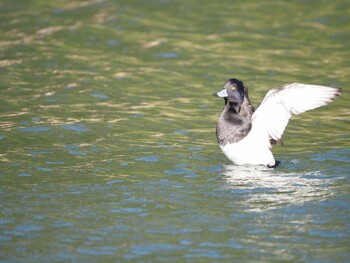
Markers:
<point>278,106</point>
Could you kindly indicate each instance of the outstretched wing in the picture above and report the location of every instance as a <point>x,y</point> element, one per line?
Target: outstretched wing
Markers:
<point>274,112</point>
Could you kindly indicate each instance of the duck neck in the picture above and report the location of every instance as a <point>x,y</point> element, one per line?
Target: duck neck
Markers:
<point>232,126</point>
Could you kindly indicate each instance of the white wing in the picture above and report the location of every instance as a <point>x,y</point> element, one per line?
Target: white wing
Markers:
<point>274,112</point>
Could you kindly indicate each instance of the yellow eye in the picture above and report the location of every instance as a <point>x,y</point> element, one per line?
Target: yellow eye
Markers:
<point>233,88</point>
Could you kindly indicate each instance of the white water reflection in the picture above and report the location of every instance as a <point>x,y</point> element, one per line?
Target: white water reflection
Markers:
<point>265,188</point>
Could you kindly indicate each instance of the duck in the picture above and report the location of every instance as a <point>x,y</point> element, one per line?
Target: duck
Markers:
<point>246,135</point>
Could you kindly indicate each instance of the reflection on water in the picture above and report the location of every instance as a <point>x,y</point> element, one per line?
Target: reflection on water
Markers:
<point>107,144</point>
<point>266,188</point>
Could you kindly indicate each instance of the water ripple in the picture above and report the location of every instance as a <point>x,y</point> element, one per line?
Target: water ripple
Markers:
<point>149,159</point>
<point>35,129</point>
<point>75,127</point>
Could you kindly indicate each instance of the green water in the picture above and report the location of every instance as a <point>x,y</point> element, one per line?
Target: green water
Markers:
<point>107,132</point>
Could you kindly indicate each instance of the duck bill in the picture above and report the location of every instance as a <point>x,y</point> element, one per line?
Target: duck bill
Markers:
<point>221,94</point>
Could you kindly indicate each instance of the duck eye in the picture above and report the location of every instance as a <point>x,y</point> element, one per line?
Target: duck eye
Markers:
<point>233,88</point>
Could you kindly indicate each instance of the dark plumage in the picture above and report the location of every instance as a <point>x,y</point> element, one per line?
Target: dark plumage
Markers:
<point>245,135</point>
<point>235,121</point>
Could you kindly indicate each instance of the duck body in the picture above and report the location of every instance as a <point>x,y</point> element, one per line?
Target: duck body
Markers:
<point>245,135</point>
<point>250,150</point>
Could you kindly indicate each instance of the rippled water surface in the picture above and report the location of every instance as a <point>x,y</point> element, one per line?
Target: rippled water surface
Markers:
<point>107,144</point>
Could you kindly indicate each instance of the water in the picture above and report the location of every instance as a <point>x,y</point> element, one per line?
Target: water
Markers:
<point>107,142</point>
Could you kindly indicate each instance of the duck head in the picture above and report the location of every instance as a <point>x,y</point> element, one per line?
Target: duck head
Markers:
<point>233,94</point>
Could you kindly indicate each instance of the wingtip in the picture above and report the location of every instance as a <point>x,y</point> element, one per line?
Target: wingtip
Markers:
<point>339,91</point>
